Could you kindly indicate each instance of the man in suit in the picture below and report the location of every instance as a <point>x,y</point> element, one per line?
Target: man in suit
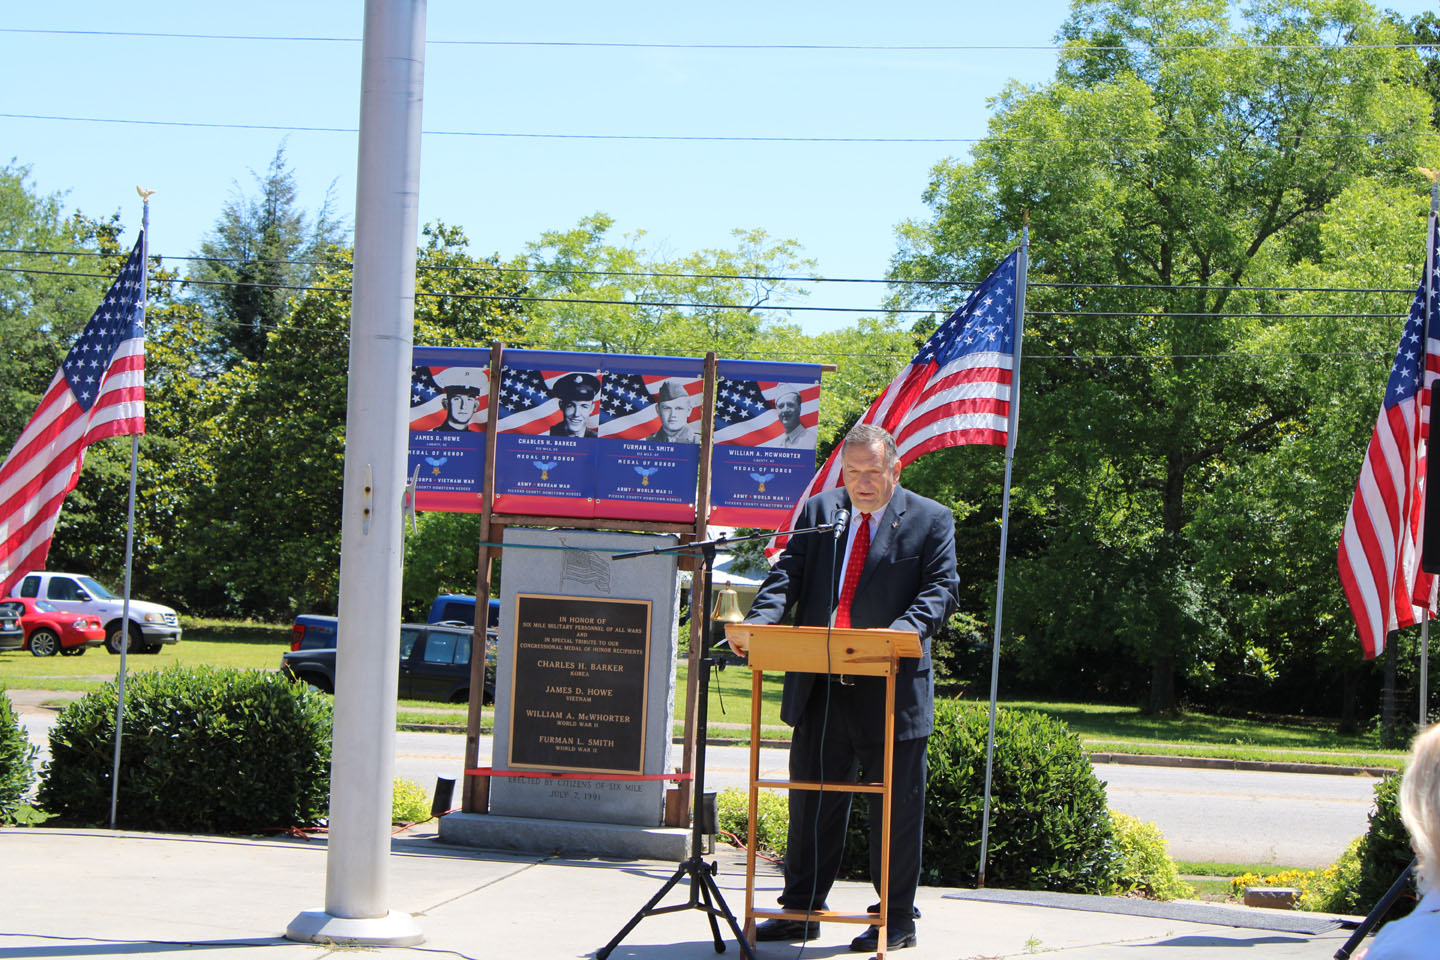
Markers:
<point>893,567</point>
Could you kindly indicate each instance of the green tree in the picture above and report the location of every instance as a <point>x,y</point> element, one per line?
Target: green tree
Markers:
<point>264,536</point>
<point>626,299</point>
<point>1183,149</point>
<point>262,249</point>
<point>45,298</point>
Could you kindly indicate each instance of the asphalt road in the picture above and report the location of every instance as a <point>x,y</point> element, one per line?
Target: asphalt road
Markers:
<point>1230,816</point>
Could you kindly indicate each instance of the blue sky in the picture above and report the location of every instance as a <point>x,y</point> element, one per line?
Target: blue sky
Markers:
<point>840,200</point>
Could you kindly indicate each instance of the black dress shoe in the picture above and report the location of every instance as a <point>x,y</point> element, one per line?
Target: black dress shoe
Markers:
<point>869,941</point>
<point>789,930</point>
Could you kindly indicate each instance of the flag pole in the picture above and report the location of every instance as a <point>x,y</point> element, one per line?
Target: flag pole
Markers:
<point>1021,268</point>
<point>129,528</point>
<point>1429,285</point>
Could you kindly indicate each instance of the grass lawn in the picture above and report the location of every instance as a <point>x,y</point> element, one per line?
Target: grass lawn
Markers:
<point>1102,728</point>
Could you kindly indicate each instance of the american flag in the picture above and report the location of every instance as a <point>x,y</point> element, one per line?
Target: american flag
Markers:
<point>525,402</point>
<point>1380,546</point>
<point>745,411</point>
<point>627,402</point>
<point>955,392</point>
<point>98,392</point>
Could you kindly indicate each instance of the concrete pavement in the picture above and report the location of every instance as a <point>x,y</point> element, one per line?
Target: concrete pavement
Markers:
<point>94,893</point>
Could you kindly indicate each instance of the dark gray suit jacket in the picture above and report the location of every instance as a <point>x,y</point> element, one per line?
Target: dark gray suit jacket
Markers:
<point>909,583</point>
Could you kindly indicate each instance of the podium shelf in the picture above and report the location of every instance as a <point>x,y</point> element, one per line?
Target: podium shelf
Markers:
<point>840,786</point>
<point>814,916</point>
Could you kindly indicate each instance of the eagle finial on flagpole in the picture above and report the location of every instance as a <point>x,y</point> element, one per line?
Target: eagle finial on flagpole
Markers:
<point>144,194</point>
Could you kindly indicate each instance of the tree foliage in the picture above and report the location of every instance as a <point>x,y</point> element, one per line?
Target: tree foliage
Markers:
<point>262,249</point>
<point>1184,155</point>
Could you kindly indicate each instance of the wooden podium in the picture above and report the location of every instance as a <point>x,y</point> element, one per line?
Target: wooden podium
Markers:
<point>822,650</point>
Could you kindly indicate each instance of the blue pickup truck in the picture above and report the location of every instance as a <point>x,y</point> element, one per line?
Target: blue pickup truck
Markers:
<point>316,632</point>
<point>434,657</point>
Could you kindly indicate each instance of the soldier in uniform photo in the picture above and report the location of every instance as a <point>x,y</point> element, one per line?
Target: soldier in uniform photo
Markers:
<point>787,408</point>
<point>462,387</point>
<point>576,393</point>
<point>673,405</point>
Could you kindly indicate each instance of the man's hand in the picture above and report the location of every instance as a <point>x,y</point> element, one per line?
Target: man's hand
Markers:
<point>738,643</point>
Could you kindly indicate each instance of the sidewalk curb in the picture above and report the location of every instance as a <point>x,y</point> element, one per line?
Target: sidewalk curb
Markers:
<point>1219,763</point>
<point>1134,759</point>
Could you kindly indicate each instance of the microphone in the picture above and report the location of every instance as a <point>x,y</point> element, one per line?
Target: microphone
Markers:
<point>842,521</point>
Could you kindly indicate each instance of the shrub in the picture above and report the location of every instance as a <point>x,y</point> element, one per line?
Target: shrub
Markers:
<point>1384,853</point>
<point>408,803</point>
<point>17,754</point>
<point>732,812</point>
<point>205,750</point>
<point>1145,866</point>
<point>1049,825</point>
<point>1333,891</point>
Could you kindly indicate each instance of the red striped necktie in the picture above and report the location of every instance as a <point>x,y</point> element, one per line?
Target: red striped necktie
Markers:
<point>859,549</point>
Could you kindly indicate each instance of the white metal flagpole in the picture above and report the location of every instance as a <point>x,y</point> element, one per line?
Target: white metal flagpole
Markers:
<point>129,533</point>
<point>1430,266</point>
<point>1021,268</point>
<point>382,318</point>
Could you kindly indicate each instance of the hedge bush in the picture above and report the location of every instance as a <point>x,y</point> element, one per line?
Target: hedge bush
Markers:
<point>732,812</point>
<point>1144,865</point>
<point>408,802</point>
<point>207,750</point>
<point>17,755</point>
<point>1384,852</point>
<point>1049,825</point>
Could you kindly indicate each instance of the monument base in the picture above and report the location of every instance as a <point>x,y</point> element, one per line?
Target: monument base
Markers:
<point>573,838</point>
<point>391,930</point>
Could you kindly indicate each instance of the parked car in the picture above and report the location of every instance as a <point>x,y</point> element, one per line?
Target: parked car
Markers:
<point>459,608</point>
<point>50,630</point>
<point>312,631</point>
<point>434,664</point>
<point>151,624</point>
<point>12,635</point>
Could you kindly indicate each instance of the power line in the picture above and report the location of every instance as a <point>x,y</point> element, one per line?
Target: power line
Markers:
<point>701,138</point>
<point>776,278</point>
<point>716,45</point>
<point>685,305</point>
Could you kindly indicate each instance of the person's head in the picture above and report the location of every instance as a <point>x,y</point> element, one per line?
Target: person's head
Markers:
<point>462,386</point>
<point>871,467</point>
<point>787,406</point>
<point>1420,805</point>
<point>576,393</point>
<point>460,405</point>
<point>673,405</point>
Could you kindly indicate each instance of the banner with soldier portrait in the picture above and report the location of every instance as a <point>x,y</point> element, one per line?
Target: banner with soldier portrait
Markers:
<point>449,397</point>
<point>766,416</point>
<point>648,457</point>
<point>611,435</point>
<point>547,428</point>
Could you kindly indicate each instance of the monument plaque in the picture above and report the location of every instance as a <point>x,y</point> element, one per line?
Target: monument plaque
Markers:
<point>579,681</point>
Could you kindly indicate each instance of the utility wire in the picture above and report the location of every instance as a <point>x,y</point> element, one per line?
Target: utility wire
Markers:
<point>706,138</point>
<point>776,278</point>
<point>685,305</point>
<point>640,45</point>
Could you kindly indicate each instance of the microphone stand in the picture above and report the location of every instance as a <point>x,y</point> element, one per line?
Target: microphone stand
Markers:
<point>704,891</point>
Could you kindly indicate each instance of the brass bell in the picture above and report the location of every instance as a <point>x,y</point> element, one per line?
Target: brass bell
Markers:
<point>727,607</point>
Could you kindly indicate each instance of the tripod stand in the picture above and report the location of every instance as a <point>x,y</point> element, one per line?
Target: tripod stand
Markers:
<point>704,891</point>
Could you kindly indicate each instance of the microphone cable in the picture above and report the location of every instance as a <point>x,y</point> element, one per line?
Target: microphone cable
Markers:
<point>841,520</point>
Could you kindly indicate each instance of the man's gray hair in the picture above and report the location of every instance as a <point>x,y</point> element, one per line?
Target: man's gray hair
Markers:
<point>865,434</point>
